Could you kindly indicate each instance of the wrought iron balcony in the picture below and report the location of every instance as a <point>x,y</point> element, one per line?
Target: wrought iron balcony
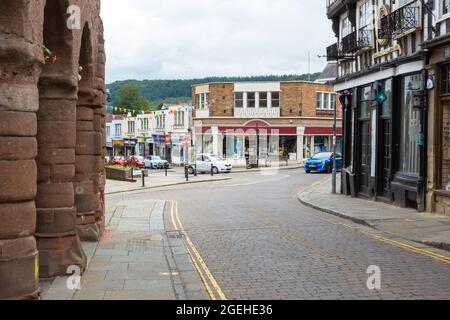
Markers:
<point>333,52</point>
<point>356,41</point>
<point>400,21</point>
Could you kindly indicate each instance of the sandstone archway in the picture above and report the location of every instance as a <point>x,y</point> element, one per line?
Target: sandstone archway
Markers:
<point>38,138</point>
<point>58,243</point>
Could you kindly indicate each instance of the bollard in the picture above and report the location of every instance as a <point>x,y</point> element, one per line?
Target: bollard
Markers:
<point>186,172</point>
<point>195,171</point>
<point>165,169</point>
<point>212,170</point>
<point>143,178</point>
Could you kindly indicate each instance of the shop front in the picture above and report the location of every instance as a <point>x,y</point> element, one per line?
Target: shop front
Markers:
<point>180,148</point>
<point>163,146</point>
<point>118,148</point>
<point>438,83</point>
<point>383,152</point>
<point>130,147</point>
<point>257,142</point>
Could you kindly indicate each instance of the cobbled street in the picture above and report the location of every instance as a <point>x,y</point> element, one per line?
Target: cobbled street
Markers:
<point>259,242</point>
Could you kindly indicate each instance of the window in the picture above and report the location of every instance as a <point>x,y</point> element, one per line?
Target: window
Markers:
<point>251,100</point>
<point>118,129</point>
<point>131,127</point>
<point>275,99</point>
<point>410,126</point>
<point>387,105</point>
<point>365,13</point>
<point>108,131</point>
<point>365,102</point>
<point>239,100</point>
<point>179,118</point>
<point>446,6</point>
<point>263,99</point>
<point>346,27</point>
<point>326,101</point>
<point>446,80</point>
<point>202,101</point>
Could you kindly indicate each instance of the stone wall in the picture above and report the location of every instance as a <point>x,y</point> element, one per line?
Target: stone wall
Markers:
<point>39,102</point>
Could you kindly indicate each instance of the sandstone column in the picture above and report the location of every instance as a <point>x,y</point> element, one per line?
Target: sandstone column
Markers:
<point>21,61</point>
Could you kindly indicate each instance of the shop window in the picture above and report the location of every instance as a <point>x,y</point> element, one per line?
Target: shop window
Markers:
<point>251,100</point>
<point>365,102</point>
<point>410,126</point>
<point>446,79</point>
<point>387,104</point>
<point>239,100</point>
<point>263,99</point>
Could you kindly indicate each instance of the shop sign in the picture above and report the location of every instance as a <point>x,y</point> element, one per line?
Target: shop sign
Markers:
<point>159,139</point>
<point>130,142</point>
<point>149,140</point>
<point>168,139</point>
<point>384,52</point>
<point>119,143</point>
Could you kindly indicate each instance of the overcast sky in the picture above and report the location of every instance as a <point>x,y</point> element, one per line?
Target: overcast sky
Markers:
<point>182,39</point>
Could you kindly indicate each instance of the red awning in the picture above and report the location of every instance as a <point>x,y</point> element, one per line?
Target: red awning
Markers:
<point>321,131</point>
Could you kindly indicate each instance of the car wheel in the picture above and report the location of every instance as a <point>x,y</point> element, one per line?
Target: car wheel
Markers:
<point>167,166</point>
<point>329,169</point>
<point>215,170</point>
<point>308,171</point>
<point>191,170</point>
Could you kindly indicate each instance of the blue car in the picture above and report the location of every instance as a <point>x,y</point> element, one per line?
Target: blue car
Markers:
<point>323,162</point>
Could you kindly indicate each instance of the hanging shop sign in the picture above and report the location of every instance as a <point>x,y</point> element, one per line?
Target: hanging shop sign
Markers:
<point>159,139</point>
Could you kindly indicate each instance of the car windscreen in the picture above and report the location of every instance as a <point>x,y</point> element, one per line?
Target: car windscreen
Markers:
<point>323,156</point>
<point>156,158</point>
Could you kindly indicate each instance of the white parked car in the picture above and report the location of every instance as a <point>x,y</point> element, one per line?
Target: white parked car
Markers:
<point>206,162</point>
<point>156,162</point>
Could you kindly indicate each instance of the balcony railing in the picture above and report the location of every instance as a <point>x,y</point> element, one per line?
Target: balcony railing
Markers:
<point>400,21</point>
<point>356,41</point>
<point>333,52</point>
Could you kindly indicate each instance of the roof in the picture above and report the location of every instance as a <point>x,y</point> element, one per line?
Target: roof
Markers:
<point>329,73</point>
<point>282,81</point>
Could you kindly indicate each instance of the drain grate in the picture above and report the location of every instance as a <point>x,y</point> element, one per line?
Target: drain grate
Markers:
<point>174,235</point>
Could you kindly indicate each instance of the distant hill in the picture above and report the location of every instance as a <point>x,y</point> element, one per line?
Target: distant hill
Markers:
<point>158,91</point>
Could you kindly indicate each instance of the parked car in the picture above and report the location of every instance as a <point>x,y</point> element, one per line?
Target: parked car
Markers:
<point>323,162</point>
<point>206,162</point>
<point>135,161</point>
<point>118,161</point>
<point>156,162</point>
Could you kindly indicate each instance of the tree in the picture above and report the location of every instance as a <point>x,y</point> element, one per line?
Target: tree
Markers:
<point>130,98</point>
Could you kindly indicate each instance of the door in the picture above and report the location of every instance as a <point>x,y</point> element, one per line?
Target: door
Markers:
<point>200,164</point>
<point>364,158</point>
<point>386,154</point>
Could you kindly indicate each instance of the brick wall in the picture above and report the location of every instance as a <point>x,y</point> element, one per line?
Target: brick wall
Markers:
<point>300,99</point>
<point>221,100</point>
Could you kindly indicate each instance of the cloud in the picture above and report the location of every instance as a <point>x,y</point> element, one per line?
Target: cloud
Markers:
<point>155,39</point>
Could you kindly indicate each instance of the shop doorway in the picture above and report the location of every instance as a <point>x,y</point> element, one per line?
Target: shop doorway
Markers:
<point>365,146</point>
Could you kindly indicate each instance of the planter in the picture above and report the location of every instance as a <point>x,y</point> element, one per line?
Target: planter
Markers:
<point>119,173</point>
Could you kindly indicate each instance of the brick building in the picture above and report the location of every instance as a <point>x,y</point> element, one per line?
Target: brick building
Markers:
<point>291,119</point>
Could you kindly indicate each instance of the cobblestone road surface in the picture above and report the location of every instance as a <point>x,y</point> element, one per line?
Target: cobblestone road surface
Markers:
<point>259,242</point>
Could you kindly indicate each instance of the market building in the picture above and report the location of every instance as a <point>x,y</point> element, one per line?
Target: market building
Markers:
<point>389,91</point>
<point>254,120</point>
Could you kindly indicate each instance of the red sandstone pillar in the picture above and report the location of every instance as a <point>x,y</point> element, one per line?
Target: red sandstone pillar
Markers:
<point>21,61</point>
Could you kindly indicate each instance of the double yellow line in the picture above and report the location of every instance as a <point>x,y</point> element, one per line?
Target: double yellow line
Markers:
<point>211,285</point>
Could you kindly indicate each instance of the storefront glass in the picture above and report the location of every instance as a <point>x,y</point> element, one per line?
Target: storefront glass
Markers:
<point>410,126</point>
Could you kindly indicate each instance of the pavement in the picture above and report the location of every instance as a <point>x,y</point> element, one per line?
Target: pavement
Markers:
<point>158,180</point>
<point>135,260</point>
<point>424,228</point>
